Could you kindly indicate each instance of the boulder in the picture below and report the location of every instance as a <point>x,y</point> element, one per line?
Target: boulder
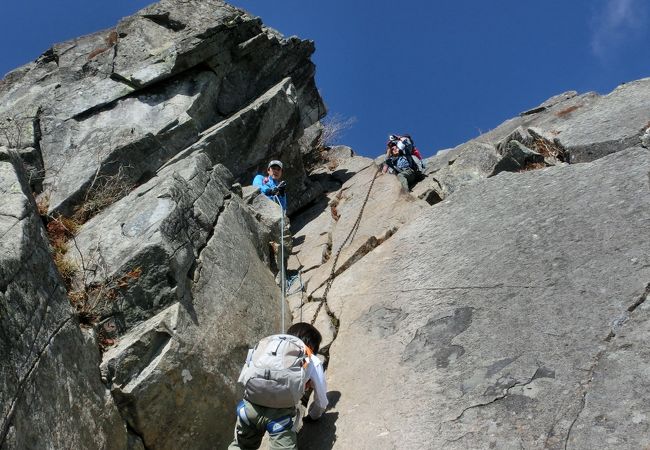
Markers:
<point>50,394</point>
<point>460,167</point>
<point>190,383</point>
<point>516,156</point>
<point>518,300</point>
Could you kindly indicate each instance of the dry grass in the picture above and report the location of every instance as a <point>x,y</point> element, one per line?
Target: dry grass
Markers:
<point>103,191</point>
<point>90,300</point>
<point>43,205</point>
<point>548,148</point>
<point>59,232</point>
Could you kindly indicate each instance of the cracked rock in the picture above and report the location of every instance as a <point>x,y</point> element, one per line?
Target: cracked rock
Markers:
<point>544,275</point>
<point>49,368</point>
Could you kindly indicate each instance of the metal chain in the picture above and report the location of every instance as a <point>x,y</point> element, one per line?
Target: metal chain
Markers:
<point>352,232</point>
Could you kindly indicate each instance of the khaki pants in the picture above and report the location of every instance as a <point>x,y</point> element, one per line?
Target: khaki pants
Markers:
<point>407,177</point>
<point>254,420</point>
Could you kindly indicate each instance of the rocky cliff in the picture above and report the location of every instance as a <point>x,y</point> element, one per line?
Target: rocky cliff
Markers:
<point>500,304</point>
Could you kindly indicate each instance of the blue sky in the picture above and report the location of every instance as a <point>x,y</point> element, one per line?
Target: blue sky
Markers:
<point>443,71</point>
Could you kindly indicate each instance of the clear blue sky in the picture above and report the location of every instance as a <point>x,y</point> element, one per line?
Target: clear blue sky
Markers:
<point>442,71</point>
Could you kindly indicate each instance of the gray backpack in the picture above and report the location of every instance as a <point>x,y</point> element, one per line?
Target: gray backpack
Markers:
<point>274,374</point>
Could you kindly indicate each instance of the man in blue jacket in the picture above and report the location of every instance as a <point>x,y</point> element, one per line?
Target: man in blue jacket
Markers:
<point>272,185</point>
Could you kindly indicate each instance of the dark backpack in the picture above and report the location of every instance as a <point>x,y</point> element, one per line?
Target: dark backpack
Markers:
<point>410,151</point>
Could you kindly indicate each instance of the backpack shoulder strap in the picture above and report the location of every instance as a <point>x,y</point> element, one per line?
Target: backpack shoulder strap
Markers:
<point>308,354</point>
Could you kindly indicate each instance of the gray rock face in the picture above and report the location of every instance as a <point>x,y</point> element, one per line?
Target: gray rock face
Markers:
<point>49,368</point>
<point>137,134</point>
<point>567,128</point>
<point>135,96</point>
<point>462,166</point>
<point>332,236</point>
<point>158,230</point>
<point>245,140</point>
<point>511,314</point>
<point>203,293</point>
<point>174,104</point>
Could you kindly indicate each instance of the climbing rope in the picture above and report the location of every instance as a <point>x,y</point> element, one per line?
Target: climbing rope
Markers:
<point>290,292</point>
<point>283,283</point>
<point>352,233</point>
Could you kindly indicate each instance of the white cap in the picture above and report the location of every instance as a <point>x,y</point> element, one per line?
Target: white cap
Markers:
<point>275,162</point>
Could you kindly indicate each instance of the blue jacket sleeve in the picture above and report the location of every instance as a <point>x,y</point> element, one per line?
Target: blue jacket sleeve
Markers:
<point>258,182</point>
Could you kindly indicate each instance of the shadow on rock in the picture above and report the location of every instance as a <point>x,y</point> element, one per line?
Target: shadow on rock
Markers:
<point>321,434</point>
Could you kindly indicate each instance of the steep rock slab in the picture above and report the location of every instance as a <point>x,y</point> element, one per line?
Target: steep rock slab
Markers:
<point>493,310</point>
<point>386,209</point>
<point>311,228</point>
<point>615,413</point>
<point>50,391</point>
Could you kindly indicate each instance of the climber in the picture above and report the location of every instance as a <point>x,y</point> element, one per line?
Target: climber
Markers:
<point>406,144</point>
<point>397,161</point>
<point>272,185</point>
<point>272,404</point>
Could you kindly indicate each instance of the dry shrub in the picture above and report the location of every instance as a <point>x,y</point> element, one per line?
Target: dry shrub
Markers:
<point>103,191</point>
<point>67,269</point>
<point>12,130</point>
<point>59,232</point>
<point>566,111</point>
<point>90,300</point>
<point>333,128</point>
<point>548,148</point>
